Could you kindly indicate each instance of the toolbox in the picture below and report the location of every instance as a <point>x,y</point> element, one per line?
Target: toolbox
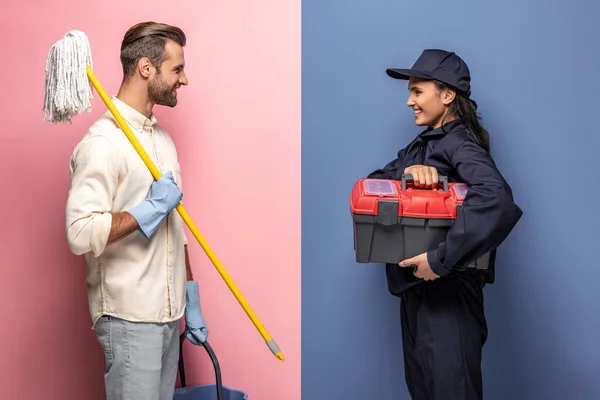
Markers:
<point>394,220</point>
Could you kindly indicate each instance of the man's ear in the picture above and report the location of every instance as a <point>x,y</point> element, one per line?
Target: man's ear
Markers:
<point>145,67</point>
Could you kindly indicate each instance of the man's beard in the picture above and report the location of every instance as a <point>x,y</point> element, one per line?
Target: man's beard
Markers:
<point>160,93</point>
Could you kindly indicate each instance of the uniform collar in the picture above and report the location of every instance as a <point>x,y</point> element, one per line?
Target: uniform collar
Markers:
<point>444,129</point>
<point>134,117</point>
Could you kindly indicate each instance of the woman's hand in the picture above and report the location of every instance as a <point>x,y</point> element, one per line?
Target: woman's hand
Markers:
<point>423,176</point>
<point>422,267</point>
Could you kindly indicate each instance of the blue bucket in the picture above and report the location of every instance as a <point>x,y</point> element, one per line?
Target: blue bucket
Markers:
<point>205,392</point>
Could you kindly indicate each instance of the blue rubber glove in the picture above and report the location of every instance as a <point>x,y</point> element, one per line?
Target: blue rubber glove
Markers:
<point>165,196</point>
<point>196,330</point>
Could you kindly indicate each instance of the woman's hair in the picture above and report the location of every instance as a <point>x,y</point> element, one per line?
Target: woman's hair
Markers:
<point>466,109</point>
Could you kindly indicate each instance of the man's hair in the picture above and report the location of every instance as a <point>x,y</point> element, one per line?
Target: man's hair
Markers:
<point>147,39</point>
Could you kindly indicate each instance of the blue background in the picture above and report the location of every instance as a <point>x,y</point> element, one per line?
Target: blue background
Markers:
<point>535,67</point>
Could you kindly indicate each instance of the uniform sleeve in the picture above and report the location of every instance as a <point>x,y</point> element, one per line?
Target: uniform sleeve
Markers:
<point>488,215</point>
<point>390,170</point>
<point>94,179</point>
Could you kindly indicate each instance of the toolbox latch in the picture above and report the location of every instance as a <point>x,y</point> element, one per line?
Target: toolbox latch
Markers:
<point>387,213</point>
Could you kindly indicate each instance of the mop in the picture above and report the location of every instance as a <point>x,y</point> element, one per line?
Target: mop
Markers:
<point>68,90</point>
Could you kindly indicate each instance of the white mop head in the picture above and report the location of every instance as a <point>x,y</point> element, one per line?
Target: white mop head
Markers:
<point>68,89</point>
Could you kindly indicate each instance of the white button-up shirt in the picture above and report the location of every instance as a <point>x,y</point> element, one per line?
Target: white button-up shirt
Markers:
<point>135,278</point>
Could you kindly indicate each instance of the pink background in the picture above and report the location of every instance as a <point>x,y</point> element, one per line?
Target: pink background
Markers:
<point>239,117</point>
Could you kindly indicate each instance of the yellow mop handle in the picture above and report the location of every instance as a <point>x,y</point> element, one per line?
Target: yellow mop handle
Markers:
<point>185,216</point>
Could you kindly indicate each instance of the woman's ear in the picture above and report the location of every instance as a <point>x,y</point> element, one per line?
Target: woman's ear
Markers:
<point>448,96</point>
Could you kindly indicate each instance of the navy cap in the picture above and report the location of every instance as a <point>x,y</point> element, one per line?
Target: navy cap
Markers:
<point>441,65</point>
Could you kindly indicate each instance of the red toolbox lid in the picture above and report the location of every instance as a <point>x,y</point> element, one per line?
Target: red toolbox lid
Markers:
<point>412,202</point>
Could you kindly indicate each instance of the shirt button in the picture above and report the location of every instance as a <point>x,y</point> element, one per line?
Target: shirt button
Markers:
<point>170,278</point>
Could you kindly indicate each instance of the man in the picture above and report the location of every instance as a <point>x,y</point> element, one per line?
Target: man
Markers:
<point>139,279</point>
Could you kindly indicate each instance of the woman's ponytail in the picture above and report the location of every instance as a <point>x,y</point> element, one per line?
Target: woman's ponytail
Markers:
<point>466,109</point>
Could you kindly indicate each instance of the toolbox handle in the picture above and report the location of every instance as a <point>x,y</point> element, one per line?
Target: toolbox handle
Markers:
<point>442,179</point>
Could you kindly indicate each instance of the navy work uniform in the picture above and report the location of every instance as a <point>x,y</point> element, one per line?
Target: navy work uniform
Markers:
<point>443,321</point>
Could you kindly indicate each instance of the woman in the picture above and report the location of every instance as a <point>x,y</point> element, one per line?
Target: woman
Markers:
<point>443,321</point>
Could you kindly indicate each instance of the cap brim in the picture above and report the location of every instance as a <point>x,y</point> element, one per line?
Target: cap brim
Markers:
<point>405,74</point>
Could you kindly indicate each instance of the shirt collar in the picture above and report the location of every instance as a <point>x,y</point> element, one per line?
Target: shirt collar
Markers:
<point>444,129</point>
<point>134,117</point>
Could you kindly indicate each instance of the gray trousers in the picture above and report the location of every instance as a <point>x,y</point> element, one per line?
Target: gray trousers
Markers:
<point>141,358</point>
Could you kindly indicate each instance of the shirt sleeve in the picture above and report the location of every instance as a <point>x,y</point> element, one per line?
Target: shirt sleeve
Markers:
<point>488,214</point>
<point>94,180</point>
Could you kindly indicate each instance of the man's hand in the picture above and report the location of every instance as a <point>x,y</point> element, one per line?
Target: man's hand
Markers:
<point>196,330</point>
<point>422,269</point>
<point>165,196</point>
<point>423,176</point>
